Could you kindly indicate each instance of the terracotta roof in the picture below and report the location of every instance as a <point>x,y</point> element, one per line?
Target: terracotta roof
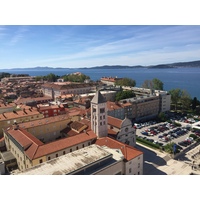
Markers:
<point>34,148</point>
<point>113,105</point>
<point>64,143</point>
<point>26,140</point>
<point>110,79</point>
<point>114,122</point>
<point>67,86</point>
<point>87,122</point>
<point>21,100</point>
<point>77,126</point>
<point>18,114</point>
<point>10,105</point>
<point>69,132</point>
<point>129,152</point>
<point>112,132</point>
<point>43,107</point>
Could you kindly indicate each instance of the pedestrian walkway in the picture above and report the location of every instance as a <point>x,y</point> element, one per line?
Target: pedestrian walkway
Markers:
<point>172,166</point>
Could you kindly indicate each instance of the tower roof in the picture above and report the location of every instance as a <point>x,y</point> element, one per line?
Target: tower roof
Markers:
<point>98,98</point>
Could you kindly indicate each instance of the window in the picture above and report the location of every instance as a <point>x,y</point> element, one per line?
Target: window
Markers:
<point>88,143</point>
<point>70,150</point>
<point>126,129</point>
<point>83,145</point>
<point>63,152</point>
<point>102,110</point>
<point>139,158</point>
<point>56,155</point>
<point>104,117</point>
<point>100,117</point>
<point>100,123</point>
<point>49,158</point>
<point>41,161</point>
<point>130,170</point>
<point>76,148</point>
<point>138,165</point>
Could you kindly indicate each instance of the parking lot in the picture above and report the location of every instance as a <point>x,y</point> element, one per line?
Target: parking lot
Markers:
<point>163,133</point>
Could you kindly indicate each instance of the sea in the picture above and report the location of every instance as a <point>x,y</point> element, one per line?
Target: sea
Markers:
<point>184,78</point>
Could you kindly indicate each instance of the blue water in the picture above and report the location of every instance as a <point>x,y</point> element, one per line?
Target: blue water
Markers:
<point>183,78</point>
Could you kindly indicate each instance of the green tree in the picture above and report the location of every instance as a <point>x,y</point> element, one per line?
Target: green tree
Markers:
<point>126,82</point>
<point>194,103</point>
<point>124,95</point>
<point>75,77</point>
<point>162,117</point>
<point>175,96</point>
<point>185,100</point>
<point>51,77</point>
<point>157,84</point>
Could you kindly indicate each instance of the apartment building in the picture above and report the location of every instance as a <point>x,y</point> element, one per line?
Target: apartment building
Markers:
<point>120,110</point>
<point>165,100</point>
<point>144,107</point>
<point>164,96</point>
<point>49,110</point>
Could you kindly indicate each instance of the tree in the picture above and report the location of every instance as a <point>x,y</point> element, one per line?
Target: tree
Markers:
<point>75,77</point>
<point>162,117</point>
<point>51,77</point>
<point>148,84</point>
<point>124,95</point>
<point>194,103</point>
<point>126,82</point>
<point>175,96</point>
<point>185,100</point>
<point>154,84</point>
<point>157,84</point>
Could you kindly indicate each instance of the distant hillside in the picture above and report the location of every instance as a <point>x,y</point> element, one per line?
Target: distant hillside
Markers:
<point>114,67</point>
<point>160,66</point>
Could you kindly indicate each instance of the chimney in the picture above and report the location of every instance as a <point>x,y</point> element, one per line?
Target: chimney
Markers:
<point>15,126</point>
<point>24,111</point>
<point>4,115</point>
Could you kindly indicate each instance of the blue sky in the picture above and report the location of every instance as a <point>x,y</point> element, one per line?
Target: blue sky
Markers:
<point>97,45</point>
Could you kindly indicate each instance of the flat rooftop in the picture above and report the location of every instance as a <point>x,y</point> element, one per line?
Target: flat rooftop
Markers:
<point>72,162</point>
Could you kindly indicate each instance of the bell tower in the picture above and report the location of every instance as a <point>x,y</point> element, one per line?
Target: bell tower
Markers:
<point>99,115</point>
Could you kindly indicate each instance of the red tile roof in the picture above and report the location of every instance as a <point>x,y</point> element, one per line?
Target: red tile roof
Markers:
<point>113,105</point>
<point>112,132</point>
<point>114,122</point>
<point>64,143</point>
<point>129,152</point>
<point>34,148</point>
